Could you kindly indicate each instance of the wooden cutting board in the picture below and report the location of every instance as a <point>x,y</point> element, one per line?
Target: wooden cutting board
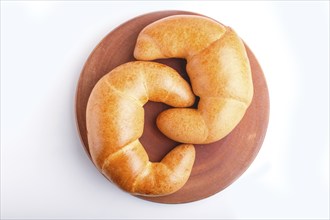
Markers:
<point>218,164</point>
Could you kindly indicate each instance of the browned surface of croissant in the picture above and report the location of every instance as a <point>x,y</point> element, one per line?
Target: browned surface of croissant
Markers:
<point>115,120</point>
<point>219,70</point>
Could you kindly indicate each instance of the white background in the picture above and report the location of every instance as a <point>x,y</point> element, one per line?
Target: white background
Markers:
<point>45,172</point>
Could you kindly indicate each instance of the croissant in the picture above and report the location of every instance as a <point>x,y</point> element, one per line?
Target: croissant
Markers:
<point>218,68</point>
<point>115,119</point>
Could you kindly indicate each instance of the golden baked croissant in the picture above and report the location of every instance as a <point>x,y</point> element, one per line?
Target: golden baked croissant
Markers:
<point>219,70</point>
<point>115,119</point>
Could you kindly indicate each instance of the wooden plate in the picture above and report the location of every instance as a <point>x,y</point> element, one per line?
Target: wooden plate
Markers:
<point>217,165</point>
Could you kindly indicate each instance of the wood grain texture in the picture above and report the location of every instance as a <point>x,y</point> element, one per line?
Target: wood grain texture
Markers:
<point>218,164</point>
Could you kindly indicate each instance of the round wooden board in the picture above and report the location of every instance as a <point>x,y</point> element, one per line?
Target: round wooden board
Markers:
<point>217,165</point>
